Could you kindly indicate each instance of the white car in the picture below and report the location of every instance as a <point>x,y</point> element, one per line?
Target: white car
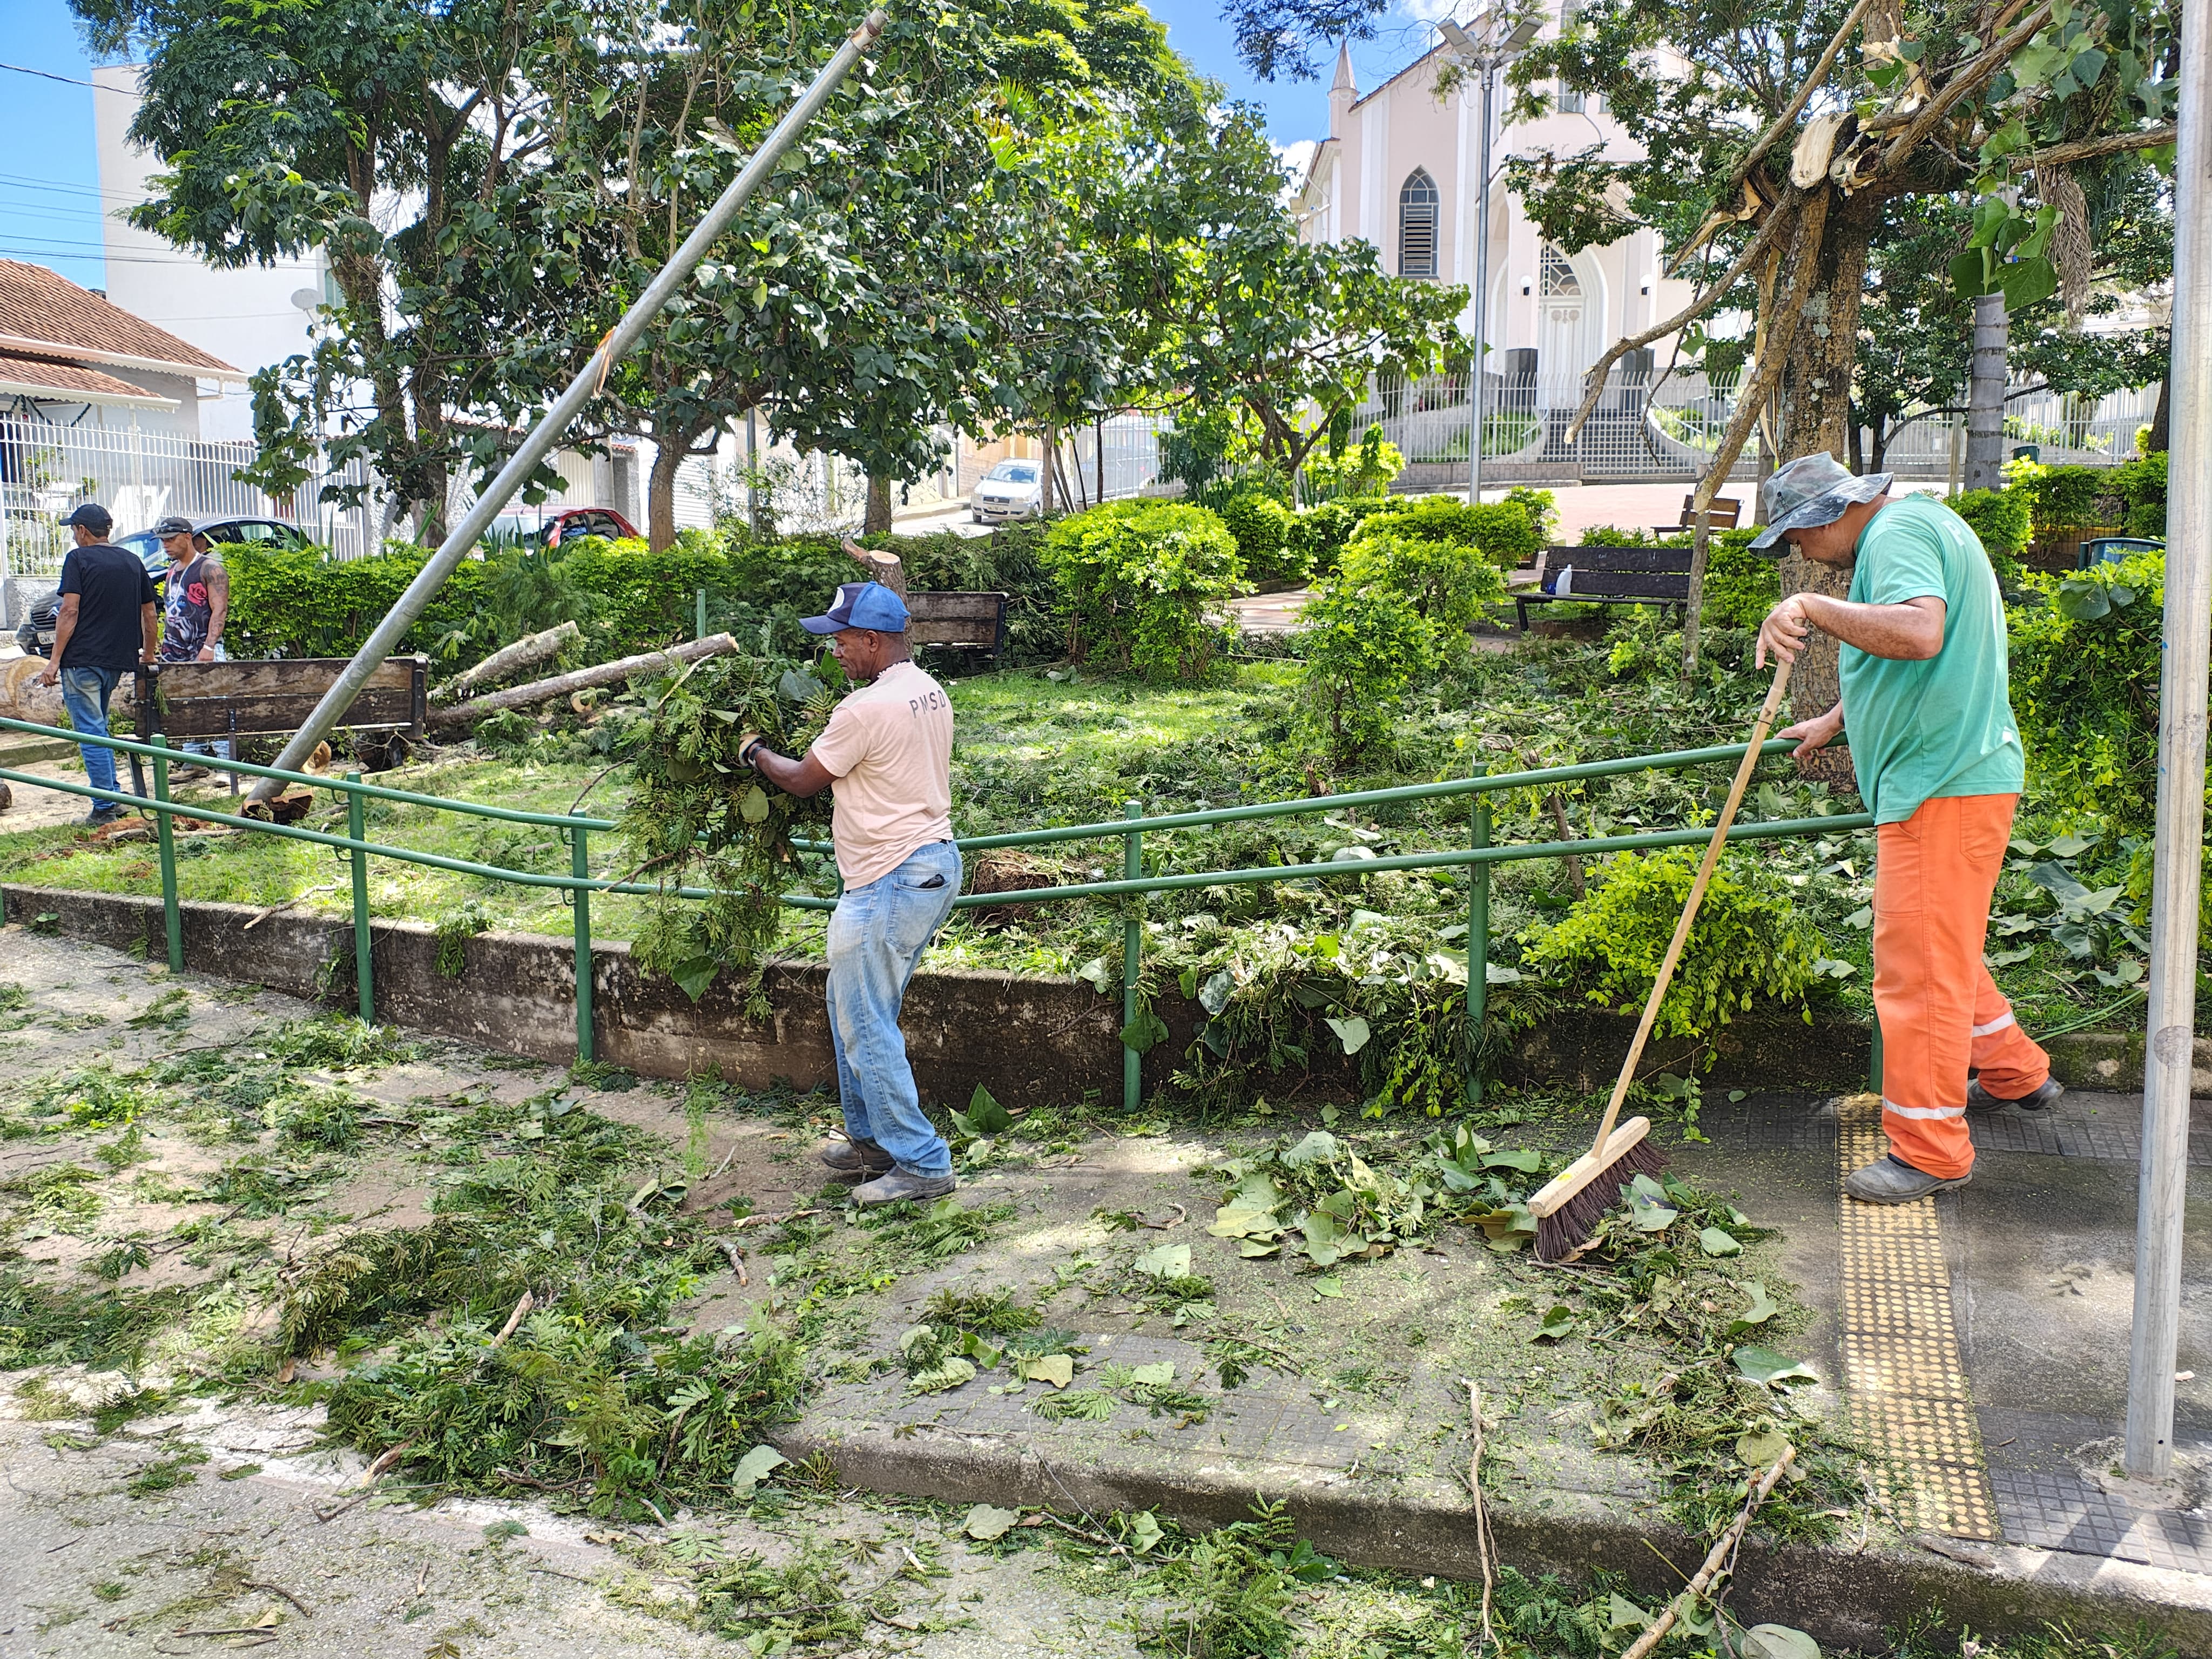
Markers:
<point>1012,490</point>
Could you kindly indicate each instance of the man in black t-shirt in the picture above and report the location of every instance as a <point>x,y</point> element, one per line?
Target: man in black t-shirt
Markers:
<point>107,627</point>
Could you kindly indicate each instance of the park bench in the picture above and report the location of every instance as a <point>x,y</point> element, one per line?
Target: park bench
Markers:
<point>1603,576</point>
<point>1723,514</point>
<point>975,620</point>
<point>212,701</point>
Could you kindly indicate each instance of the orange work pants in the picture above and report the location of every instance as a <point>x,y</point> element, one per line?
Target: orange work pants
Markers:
<point>1940,1013</point>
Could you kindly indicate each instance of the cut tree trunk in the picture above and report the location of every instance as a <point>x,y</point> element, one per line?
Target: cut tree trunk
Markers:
<point>525,652</point>
<point>1985,391</point>
<point>1816,415</point>
<point>560,685</point>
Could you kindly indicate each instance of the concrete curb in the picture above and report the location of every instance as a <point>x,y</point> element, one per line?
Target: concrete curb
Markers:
<point>519,997</point>
<point>1842,1595</point>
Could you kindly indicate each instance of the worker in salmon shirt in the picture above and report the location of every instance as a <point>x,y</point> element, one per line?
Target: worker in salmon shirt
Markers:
<point>1927,703</point>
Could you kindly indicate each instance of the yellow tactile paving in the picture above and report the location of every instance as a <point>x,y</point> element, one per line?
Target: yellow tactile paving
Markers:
<point>1902,1372</point>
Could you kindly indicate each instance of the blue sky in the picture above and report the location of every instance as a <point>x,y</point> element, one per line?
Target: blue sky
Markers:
<point>49,178</point>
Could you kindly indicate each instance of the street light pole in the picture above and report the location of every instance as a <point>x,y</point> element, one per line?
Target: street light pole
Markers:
<point>1485,52</point>
<point>1481,297</point>
<point>2179,820</point>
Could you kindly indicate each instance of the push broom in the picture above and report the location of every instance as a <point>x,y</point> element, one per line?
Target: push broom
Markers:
<point>1569,1206</point>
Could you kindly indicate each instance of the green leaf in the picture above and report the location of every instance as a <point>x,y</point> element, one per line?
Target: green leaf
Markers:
<point>1624,1614</point>
<point>755,1467</point>
<point>1713,1242</point>
<point>1970,273</point>
<point>1760,1448</point>
<point>1761,1310</point>
<point>1242,1221</point>
<point>1526,1159</point>
<point>1776,1641</point>
<point>1163,1261</point>
<point>1318,1147</point>
<point>2006,958</point>
<point>1764,1365</point>
<point>986,1115</point>
<point>1214,995</point>
<point>985,1523</point>
<point>1557,1323</point>
<point>2080,598</point>
<point>1352,1032</point>
<point>752,805</point>
<point>1094,970</point>
<point>1328,1285</point>
<point>2028,281</point>
<point>949,1373</point>
<point>1145,1033</point>
<point>1057,1369</point>
<point>693,974</point>
<point>1145,1532</point>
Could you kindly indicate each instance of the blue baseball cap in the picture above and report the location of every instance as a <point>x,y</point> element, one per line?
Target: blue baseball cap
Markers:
<point>860,604</point>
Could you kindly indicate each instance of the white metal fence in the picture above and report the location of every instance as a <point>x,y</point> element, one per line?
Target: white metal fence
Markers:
<point>1652,426</point>
<point>46,470</point>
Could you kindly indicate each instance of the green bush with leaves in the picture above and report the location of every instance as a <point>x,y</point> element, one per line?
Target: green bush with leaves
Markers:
<point>1365,468</point>
<point>1144,584</point>
<point>2085,666</point>
<point>2141,484</point>
<point>1502,529</point>
<point>302,603</point>
<point>1740,586</point>
<point>1396,608</point>
<point>1749,942</point>
<point>2004,520</point>
<point>1261,526</point>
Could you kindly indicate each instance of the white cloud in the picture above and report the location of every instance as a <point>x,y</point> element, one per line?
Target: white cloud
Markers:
<point>1296,157</point>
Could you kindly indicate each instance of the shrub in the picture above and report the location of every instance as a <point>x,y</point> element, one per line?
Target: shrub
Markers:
<point>304,604</point>
<point>1740,586</point>
<point>2085,667</point>
<point>1319,533</point>
<point>1139,580</point>
<point>1539,506</point>
<point>1501,529</point>
<point>647,599</point>
<point>2002,518</point>
<point>1748,941</point>
<point>1261,526</point>
<point>1397,607</point>
<point>2061,499</point>
<point>1366,468</point>
<point>2141,484</point>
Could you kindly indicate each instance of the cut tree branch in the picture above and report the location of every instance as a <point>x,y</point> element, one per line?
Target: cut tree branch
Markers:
<point>1966,81</point>
<point>1788,119</point>
<point>2087,149</point>
<point>1774,355</point>
<point>1722,1550</point>
<point>1594,388</point>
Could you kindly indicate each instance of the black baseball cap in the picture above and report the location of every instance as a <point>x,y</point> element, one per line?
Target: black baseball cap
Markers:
<point>93,516</point>
<point>175,524</point>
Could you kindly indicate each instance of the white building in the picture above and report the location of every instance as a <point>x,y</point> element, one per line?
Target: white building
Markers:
<point>250,317</point>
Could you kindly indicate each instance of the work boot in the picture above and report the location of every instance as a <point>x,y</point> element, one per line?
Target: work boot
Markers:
<point>105,811</point>
<point>187,772</point>
<point>1890,1180</point>
<point>847,1157</point>
<point>902,1184</point>
<point>2040,1099</point>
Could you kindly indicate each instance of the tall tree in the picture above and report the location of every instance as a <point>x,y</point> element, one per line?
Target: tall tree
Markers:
<point>1784,133</point>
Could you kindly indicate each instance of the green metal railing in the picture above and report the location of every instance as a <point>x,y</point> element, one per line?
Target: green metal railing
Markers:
<point>578,885</point>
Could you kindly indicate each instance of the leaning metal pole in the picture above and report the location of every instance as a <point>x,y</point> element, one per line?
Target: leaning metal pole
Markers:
<point>2179,826</point>
<point>1481,298</point>
<point>556,421</point>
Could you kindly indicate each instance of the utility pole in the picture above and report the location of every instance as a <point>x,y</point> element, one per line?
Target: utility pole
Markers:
<point>1483,52</point>
<point>556,421</point>
<point>2179,823</point>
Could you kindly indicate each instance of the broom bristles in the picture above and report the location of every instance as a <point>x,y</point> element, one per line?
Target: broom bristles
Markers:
<point>1568,1228</point>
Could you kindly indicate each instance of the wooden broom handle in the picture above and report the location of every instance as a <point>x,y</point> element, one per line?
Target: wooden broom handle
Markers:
<point>1758,730</point>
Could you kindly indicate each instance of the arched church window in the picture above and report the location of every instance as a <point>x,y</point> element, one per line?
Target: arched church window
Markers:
<point>1417,225</point>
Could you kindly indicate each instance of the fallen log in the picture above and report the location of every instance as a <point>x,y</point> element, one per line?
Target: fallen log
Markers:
<point>606,673</point>
<point>523,653</point>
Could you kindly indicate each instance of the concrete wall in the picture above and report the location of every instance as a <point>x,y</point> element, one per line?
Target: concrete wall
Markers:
<point>1031,1040</point>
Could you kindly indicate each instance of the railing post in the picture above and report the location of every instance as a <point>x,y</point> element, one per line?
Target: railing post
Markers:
<point>1478,943</point>
<point>165,834</point>
<point>364,984</point>
<point>701,633</point>
<point>1133,947</point>
<point>580,864</point>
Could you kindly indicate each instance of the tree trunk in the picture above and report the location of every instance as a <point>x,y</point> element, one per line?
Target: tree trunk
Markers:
<point>1985,391</point>
<point>1049,465</point>
<point>668,452</point>
<point>2155,441</point>
<point>1816,415</point>
<point>877,519</point>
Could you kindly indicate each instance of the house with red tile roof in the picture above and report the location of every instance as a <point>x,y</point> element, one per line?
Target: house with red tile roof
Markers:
<point>69,356</point>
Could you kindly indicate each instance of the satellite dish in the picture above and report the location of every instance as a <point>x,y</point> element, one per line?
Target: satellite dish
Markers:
<point>307,299</point>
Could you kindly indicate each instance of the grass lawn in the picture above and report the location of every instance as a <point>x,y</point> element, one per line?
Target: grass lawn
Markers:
<point>1041,747</point>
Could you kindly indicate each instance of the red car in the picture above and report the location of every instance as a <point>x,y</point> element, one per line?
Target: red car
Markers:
<point>538,527</point>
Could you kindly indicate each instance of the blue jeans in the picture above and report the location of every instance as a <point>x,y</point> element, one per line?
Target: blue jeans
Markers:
<point>85,692</point>
<point>877,935</point>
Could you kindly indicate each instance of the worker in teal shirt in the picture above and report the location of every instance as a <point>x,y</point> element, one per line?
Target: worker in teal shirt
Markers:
<point>1927,705</point>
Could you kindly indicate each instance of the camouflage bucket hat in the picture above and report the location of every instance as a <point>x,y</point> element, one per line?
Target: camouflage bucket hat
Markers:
<point>1813,489</point>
